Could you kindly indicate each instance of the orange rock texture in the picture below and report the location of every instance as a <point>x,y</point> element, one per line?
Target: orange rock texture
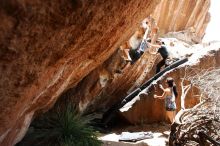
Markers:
<point>52,47</point>
<point>49,46</point>
<point>173,15</point>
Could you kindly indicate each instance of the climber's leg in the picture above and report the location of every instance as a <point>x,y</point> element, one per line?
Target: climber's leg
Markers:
<point>171,115</point>
<point>127,56</point>
<point>159,65</point>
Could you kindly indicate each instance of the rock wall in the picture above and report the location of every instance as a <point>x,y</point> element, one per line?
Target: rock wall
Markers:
<point>148,109</point>
<point>52,47</point>
<point>49,46</point>
<point>173,15</point>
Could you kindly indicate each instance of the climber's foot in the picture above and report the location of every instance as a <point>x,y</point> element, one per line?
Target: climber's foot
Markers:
<point>119,71</point>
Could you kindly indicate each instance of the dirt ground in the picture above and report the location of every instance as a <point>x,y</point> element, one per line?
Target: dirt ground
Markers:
<point>160,135</point>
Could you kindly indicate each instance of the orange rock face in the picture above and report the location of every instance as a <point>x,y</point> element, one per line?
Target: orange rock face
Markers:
<point>48,47</point>
<point>172,16</point>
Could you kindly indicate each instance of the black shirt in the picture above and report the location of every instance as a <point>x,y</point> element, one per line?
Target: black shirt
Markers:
<point>163,51</point>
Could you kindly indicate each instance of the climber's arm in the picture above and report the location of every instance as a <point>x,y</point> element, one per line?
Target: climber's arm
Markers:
<point>153,53</point>
<point>162,96</point>
<point>154,45</point>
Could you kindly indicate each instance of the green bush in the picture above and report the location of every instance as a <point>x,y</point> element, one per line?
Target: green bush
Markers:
<point>61,128</point>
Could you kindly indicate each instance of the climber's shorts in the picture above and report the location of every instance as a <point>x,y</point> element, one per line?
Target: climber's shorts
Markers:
<point>171,106</point>
<point>170,109</point>
<point>135,55</point>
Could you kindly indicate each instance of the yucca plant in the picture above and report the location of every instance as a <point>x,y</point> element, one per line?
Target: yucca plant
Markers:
<point>61,128</point>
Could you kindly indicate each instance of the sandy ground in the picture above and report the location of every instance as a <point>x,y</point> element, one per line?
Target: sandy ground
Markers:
<point>160,132</point>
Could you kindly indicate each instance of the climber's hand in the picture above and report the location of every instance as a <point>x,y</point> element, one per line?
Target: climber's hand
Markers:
<point>155,96</point>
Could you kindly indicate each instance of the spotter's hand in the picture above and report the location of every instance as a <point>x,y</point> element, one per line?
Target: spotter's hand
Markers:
<point>161,86</point>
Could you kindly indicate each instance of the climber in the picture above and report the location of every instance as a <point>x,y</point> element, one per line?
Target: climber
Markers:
<point>138,43</point>
<point>169,94</point>
<point>134,43</point>
<point>132,50</point>
<point>135,47</point>
<point>163,52</point>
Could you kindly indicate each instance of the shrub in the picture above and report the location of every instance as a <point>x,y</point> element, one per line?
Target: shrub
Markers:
<point>61,128</point>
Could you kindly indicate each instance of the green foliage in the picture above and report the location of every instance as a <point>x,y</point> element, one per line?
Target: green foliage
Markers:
<point>61,128</point>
